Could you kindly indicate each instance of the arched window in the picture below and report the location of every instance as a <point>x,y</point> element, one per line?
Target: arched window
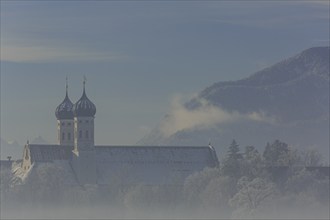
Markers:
<point>63,136</point>
<point>69,136</point>
<point>86,134</point>
<point>80,134</point>
<point>26,154</point>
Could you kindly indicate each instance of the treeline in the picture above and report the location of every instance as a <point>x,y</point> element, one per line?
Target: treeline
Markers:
<point>247,183</point>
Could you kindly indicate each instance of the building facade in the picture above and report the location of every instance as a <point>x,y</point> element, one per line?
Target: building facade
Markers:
<point>92,164</point>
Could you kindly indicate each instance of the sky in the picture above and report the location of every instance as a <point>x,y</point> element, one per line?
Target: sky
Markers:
<point>137,56</point>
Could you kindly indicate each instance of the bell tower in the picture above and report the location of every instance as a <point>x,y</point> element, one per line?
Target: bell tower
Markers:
<point>84,111</point>
<point>65,126</point>
<point>84,162</point>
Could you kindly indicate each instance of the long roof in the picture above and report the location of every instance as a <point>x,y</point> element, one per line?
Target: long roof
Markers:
<point>49,153</point>
<point>151,164</point>
<point>136,164</point>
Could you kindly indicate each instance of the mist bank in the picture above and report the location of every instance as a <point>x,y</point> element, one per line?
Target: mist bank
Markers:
<point>280,182</point>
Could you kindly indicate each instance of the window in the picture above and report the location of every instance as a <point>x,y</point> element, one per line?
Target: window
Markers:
<point>63,136</point>
<point>26,154</point>
<point>86,134</point>
<point>80,134</point>
<point>69,136</point>
<point>62,123</point>
<point>86,121</point>
<point>69,123</point>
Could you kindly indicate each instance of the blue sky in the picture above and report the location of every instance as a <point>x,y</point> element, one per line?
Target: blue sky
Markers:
<point>137,56</point>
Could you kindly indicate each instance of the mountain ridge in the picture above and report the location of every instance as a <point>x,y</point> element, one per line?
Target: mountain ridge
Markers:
<point>294,93</point>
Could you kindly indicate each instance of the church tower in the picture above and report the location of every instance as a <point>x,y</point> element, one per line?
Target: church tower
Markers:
<point>84,111</point>
<point>65,126</point>
<point>84,152</point>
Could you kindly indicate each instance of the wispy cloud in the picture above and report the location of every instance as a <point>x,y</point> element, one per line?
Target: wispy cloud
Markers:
<point>271,22</point>
<point>39,54</point>
<point>207,115</point>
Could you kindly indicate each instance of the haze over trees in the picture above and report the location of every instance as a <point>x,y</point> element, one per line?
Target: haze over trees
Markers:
<point>275,183</point>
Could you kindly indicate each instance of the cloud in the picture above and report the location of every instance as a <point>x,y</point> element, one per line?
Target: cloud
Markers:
<point>207,115</point>
<point>40,54</point>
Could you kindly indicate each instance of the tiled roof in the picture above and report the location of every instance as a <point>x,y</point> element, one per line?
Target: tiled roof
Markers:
<point>136,164</point>
<point>151,164</point>
<point>49,153</point>
<point>5,164</point>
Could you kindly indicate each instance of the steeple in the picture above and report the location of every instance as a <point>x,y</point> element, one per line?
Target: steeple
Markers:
<point>64,110</point>
<point>64,115</point>
<point>84,107</point>
<point>66,87</point>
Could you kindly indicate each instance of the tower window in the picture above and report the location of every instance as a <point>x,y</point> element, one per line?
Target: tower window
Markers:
<point>86,134</point>
<point>63,123</point>
<point>80,134</point>
<point>69,136</point>
<point>86,121</point>
<point>69,123</point>
<point>63,136</point>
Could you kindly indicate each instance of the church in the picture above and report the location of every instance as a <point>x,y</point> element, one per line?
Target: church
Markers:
<point>94,164</point>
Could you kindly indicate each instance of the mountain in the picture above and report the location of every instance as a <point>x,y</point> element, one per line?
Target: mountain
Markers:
<point>39,140</point>
<point>12,149</point>
<point>287,101</point>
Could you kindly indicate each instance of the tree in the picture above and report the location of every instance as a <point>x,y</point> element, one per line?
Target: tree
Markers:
<point>252,165</point>
<point>216,195</point>
<point>232,163</point>
<point>274,153</point>
<point>233,151</point>
<point>311,158</point>
<point>251,195</point>
<point>196,183</point>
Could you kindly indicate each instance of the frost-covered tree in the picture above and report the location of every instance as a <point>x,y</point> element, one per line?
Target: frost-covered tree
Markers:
<point>311,158</point>
<point>5,186</point>
<point>5,180</point>
<point>252,164</point>
<point>312,183</point>
<point>216,195</point>
<point>45,184</point>
<point>251,194</point>
<point>195,184</point>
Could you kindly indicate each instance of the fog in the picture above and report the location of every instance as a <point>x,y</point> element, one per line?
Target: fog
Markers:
<point>278,183</point>
<point>105,212</point>
<point>180,117</point>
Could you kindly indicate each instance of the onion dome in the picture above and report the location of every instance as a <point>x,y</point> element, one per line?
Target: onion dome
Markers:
<point>64,110</point>
<point>84,107</point>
